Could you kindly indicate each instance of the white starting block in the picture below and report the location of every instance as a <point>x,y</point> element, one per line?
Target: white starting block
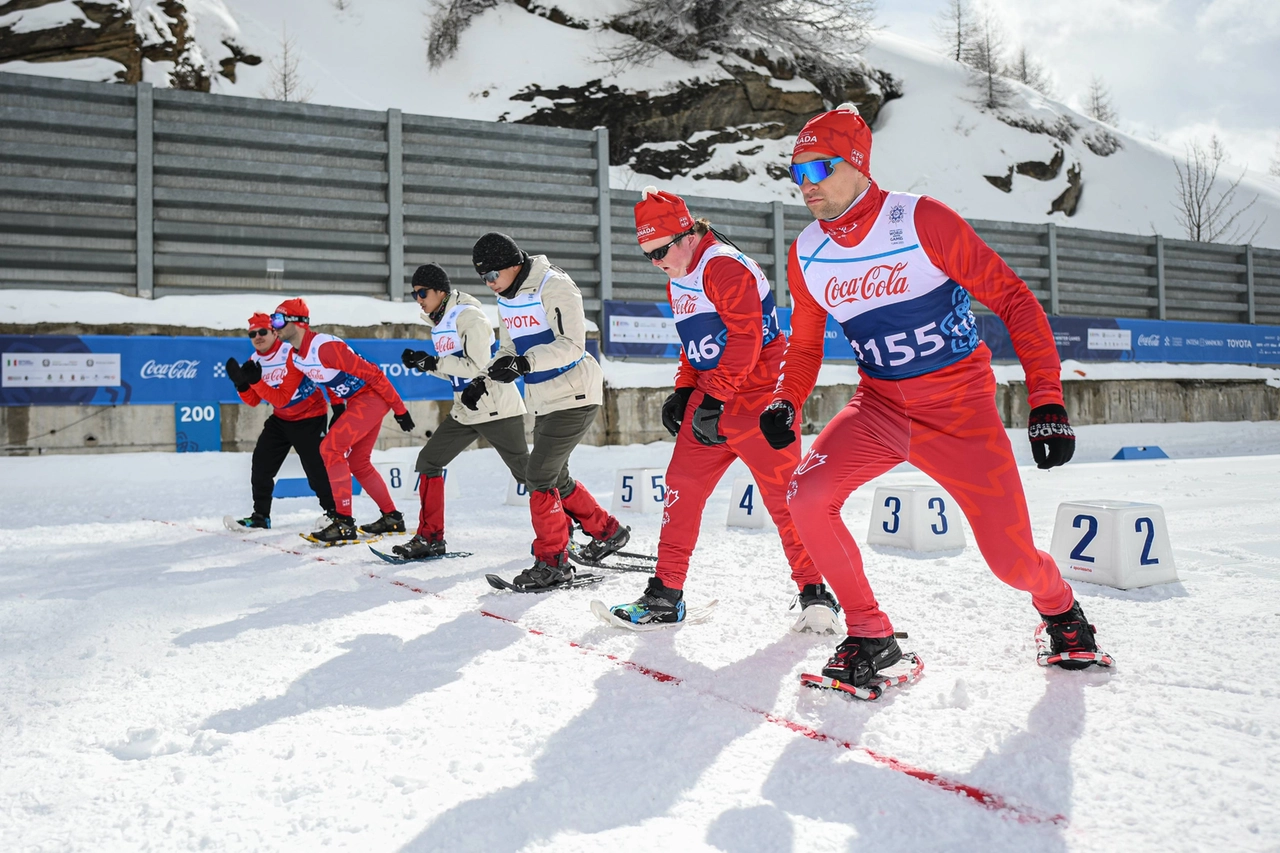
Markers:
<point>1119,544</point>
<point>745,507</point>
<point>918,518</point>
<point>402,482</point>
<point>640,490</point>
<point>517,493</point>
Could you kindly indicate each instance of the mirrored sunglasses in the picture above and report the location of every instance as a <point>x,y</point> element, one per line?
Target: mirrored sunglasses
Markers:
<point>661,252</point>
<point>279,321</point>
<point>259,333</point>
<point>815,170</point>
<point>491,276</point>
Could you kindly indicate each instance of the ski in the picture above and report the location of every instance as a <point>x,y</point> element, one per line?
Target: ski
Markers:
<point>691,615</point>
<point>882,682</point>
<point>619,561</point>
<point>364,539</point>
<point>579,579</point>
<point>397,560</point>
<point>1046,657</point>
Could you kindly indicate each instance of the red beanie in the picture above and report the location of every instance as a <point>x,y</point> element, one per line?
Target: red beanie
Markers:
<point>260,321</point>
<point>661,214</point>
<point>838,133</point>
<point>295,308</point>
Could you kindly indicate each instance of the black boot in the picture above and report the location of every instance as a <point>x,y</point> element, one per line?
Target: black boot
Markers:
<point>390,522</point>
<point>1071,642</point>
<point>340,531</point>
<point>257,521</point>
<point>597,549</point>
<point>660,603</point>
<point>419,547</point>
<point>858,659</point>
<point>545,574</point>
<point>818,610</point>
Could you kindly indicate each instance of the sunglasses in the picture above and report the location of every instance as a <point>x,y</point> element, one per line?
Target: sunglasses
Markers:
<point>491,276</point>
<point>420,293</point>
<point>815,170</point>
<point>661,252</point>
<point>279,321</point>
<point>258,333</point>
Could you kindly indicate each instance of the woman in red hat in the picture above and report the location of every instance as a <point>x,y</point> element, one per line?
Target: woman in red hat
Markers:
<point>896,272</point>
<point>731,354</point>
<point>368,394</point>
<point>299,424</point>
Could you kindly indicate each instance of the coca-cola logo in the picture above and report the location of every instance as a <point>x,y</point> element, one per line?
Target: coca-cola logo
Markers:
<point>444,345</point>
<point>183,368</point>
<point>272,377</point>
<point>685,304</point>
<point>520,321</point>
<point>880,280</point>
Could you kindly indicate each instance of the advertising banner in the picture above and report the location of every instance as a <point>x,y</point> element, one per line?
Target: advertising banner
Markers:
<point>110,369</point>
<point>647,330</point>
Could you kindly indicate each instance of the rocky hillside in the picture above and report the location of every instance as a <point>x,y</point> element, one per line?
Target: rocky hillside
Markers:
<point>712,122</point>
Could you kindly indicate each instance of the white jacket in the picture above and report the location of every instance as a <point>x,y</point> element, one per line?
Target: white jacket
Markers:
<point>468,360</point>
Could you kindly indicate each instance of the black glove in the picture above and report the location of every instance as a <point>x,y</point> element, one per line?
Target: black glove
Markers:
<point>251,371</point>
<point>673,409</point>
<point>508,368</point>
<point>473,392</point>
<point>419,359</point>
<point>236,374</point>
<point>1053,442</point>
<point>405,421</point>
<point>338,409</point>
<point>776,421</point>
<point>706,421</point>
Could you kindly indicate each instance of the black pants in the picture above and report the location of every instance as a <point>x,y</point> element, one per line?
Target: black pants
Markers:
<point>273,446</point>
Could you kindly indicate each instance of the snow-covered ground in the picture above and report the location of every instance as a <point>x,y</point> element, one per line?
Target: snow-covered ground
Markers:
<point>168,685</point>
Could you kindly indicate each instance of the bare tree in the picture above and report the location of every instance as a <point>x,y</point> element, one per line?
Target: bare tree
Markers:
<point>286,83</point>
<point>1098,104</point>
<point>986,58</point>
<point>957,26</point>
<point>1204,217</point>
<point>1274,170</point>
<point>821,35</point>
<point>449,20</point>
<point>1026,69</point>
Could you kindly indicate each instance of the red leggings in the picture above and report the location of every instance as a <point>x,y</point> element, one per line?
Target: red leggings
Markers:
<point>346,451</point>
<point>695,470</point>
<point>945,423</point>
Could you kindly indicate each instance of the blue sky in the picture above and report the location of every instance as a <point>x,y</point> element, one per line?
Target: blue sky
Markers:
<point>1177,69</point>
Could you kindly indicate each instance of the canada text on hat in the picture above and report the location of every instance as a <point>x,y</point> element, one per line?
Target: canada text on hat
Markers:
<point>837,133</point>
<point>260,321</point>
<point>661,214</point>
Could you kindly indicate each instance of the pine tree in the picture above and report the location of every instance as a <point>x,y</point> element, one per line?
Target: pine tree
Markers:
<point>1025,69</point>
<point>957,27</point>
<point>1098,104</point>
<point>985,57</point>
<point>286,83</point>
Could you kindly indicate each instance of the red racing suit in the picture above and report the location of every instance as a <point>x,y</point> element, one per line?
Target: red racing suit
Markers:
<point>307,400</point>
<point>368,394</point>
<point>723,319</point>
<point>896,271</point>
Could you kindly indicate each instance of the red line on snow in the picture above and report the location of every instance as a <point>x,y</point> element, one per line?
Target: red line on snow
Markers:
<point>987,799</point>
<point>991,801</point>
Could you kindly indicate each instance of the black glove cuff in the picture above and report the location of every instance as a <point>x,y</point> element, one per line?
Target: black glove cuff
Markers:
<point>709,402</point>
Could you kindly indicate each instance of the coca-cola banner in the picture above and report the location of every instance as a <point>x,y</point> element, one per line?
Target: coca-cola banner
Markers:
<point>110,369</point>
<point>647,330</point>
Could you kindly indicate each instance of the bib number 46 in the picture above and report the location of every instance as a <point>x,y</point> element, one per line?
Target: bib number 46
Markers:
<point>704,350</point>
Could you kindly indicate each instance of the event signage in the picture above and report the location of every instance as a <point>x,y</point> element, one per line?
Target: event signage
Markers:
<point>113,369</point>
<point>636,329</point>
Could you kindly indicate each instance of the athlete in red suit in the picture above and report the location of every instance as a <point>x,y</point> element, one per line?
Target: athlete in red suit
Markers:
<point>368,396</point>
<point>896,272</point>
<point>731,347</point>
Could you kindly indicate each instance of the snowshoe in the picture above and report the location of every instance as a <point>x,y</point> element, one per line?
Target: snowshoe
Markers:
<point>907,671</point>
<point>600,554</point>
<point>692,615</point>
<point>420,547</point>
<point>574,579</point>
<point>342,531</point>
<point>397,560</point>
<point>253,522</point>
<point>390,522</point>
<point>660,605</point>
<point>819,611</point>
<point>597,549</point>
<point>857,659</point>
<point>1066,641</point>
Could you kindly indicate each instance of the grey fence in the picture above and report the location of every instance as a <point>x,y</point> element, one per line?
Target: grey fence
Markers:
<point>152,192</point>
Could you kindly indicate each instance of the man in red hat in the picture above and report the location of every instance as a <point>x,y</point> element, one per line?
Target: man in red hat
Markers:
<point>897,272</point>
<point>328,361</point>
<point>299,424</point>
<point>731,352</point>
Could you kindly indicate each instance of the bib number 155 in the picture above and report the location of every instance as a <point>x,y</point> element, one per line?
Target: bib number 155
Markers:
<point>899,348</point>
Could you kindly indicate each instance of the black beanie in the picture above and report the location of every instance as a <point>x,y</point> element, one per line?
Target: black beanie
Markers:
<point>431,277</point>
<point>495,251</point>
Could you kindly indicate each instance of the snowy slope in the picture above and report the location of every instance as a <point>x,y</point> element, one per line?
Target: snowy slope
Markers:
<point>167,685</point>
<point>933,140</point>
